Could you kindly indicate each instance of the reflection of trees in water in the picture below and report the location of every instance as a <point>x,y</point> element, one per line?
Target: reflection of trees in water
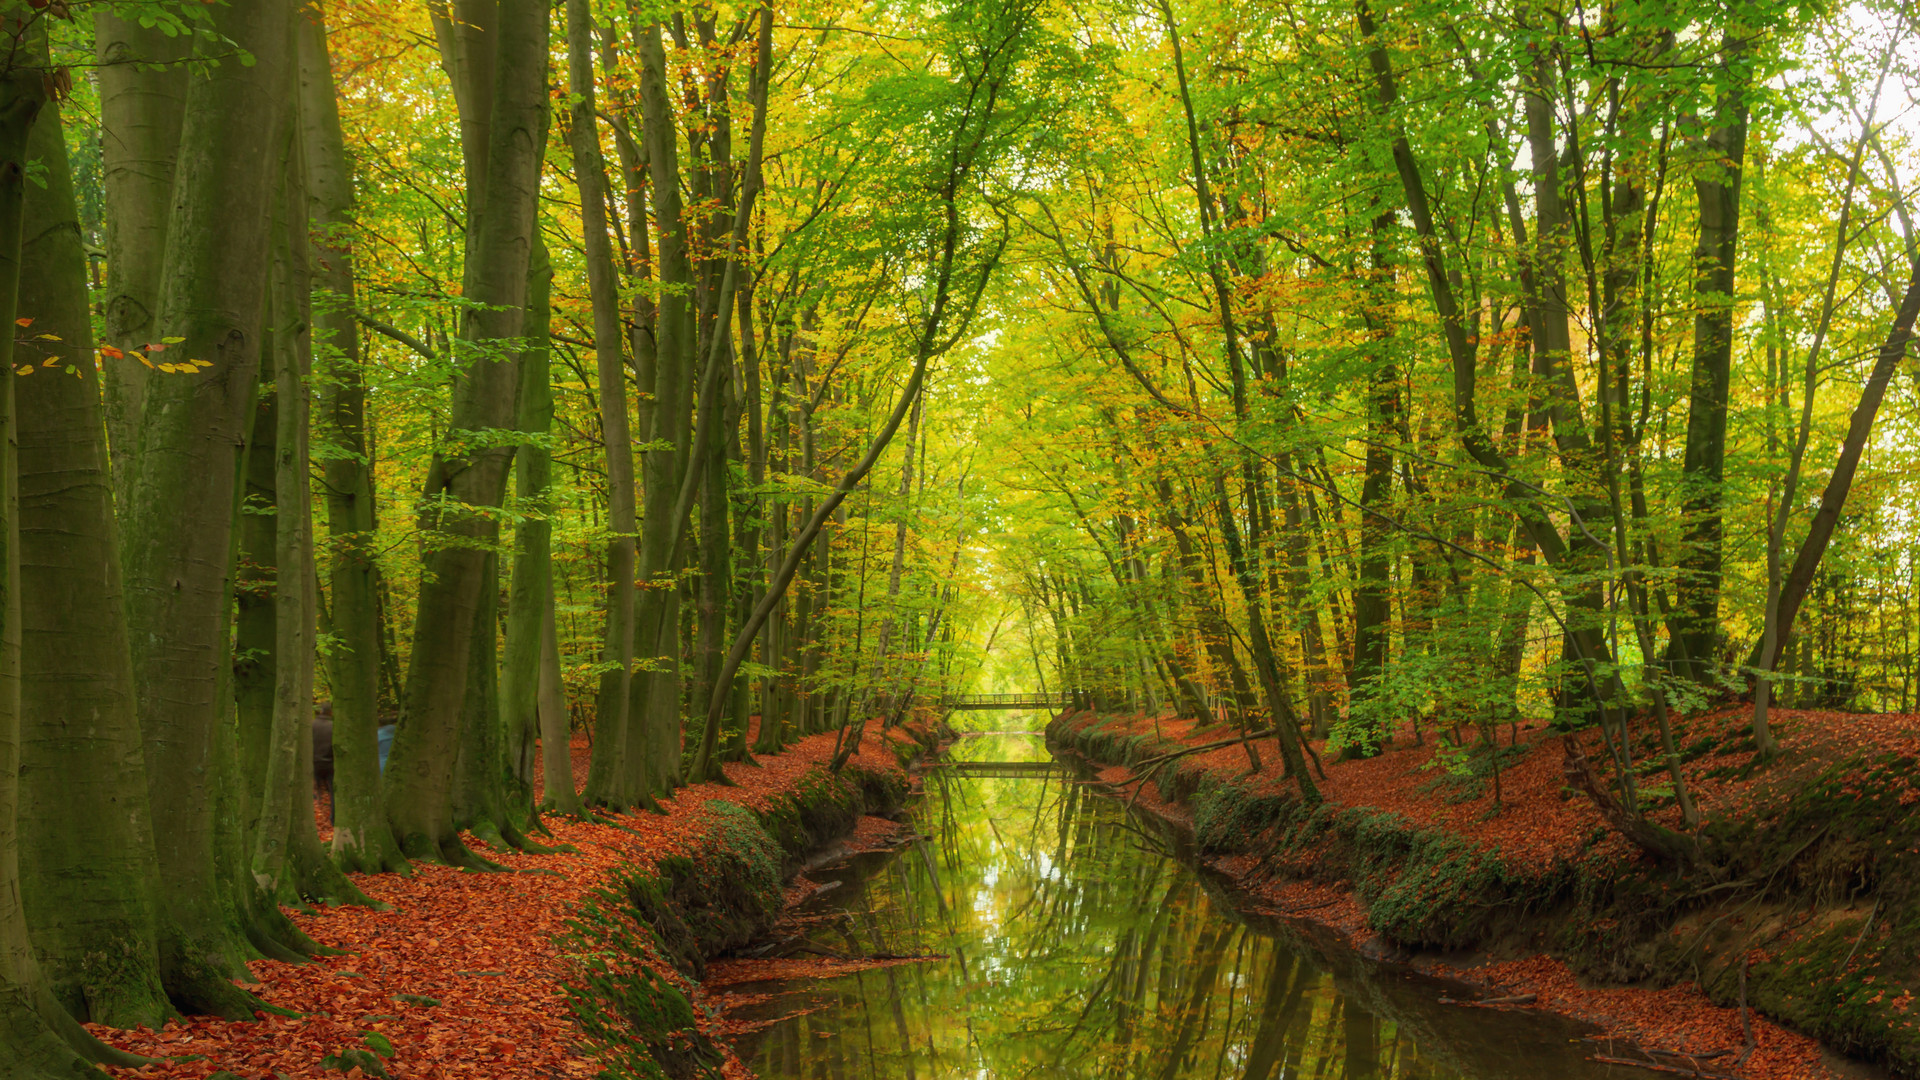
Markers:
<point>1080,949</point>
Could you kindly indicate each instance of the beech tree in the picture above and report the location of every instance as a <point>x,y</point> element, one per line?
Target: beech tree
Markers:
<point>496,56</point>
<point>1338,374</point>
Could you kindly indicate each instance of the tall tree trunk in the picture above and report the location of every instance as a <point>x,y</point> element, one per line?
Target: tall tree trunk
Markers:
<point>362,839</point>
<point>525,693</point>
<point>179,521</point>
<point>1372,618</point>
<point>653,734</point>
<point>465,480</point>
<point>293,619</point>
<point>288,859</point>
<point>556,751</point>
<point>85,832</point>
<point>30,1019</point>
<point>1244,563</point>
<point>1806,561</point>
<point>776,698</point>
<point>480,801</point>
<point>1715,252</point>
<point>143,92</point>
<point>603,287</point>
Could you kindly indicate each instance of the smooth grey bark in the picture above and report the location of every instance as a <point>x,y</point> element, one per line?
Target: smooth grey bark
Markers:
<point>293,618</point>
<point>603,288</point>
<point>270,851</point>
<point>468,476</point>
<point>1716,249</point>
<point>90,894</point>
<point>179,520</point>
<point>288,860</point>
<point>717,569</point>
<point>468,34</point>
<point>526,690</point>
<point>776,696</point>
<point>141,111</point>
<point>479,800</point>
<point>652,744</point>
<point>362,840</point>
<point>556,749</point>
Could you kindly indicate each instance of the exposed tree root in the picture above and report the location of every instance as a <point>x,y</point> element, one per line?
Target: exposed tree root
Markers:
<point>35,1050</point>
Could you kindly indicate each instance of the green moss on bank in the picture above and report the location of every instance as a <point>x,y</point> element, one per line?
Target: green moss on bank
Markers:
<point>1815,892</point>
<point>687,908</point>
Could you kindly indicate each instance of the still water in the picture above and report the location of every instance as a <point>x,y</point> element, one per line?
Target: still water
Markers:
<point>1078,946</point>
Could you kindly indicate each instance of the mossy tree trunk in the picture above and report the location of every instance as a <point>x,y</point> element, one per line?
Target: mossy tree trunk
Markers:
<point>179,522</point>
<point>603,287</point>
<point>32,1023</point>
<point>654,709</point>
<point>291,712</point>
<point>530,598</point>
<point>362,839</point>
<point>83,793</point>
<point>143,92</point>
<point>468,476</point>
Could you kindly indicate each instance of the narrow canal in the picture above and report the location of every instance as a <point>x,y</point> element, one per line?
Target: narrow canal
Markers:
<point>1078,946</point>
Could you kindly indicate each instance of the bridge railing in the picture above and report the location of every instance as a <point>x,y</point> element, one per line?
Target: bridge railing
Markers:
<point>1057,700</point>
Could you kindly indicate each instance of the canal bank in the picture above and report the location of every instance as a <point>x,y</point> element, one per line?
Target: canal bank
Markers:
<point>636,953</point>
<point>1055,933</point>
<point>1804,919</point>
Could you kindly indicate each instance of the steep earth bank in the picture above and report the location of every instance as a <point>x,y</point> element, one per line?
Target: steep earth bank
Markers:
<point>1802,903</point>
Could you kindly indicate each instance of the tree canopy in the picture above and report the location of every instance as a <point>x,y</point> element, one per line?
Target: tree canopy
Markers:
<point>695,376</point>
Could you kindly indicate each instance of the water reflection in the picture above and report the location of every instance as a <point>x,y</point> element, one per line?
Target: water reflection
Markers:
<point>1079,948</point>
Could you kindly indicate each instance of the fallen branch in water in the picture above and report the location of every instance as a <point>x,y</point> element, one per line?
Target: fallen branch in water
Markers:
<point>1655,1066</point>
<point>1510,999</point>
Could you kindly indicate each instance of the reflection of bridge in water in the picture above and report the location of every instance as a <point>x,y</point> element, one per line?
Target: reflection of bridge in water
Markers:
<point>1003,770</point>
<point>974,702</point>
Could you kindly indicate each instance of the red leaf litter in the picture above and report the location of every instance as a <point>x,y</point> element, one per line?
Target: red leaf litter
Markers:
<point>1536,826</point>
<point>483,945</point>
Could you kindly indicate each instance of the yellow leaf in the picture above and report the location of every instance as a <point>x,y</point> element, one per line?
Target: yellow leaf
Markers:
<point>50,361</point>
<point>46,337</point>
<point>146,361</point>
<point>201,363</point>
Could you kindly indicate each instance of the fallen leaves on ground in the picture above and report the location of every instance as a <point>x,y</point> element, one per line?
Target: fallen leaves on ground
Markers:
<point>1536,823</point>
<point>461,976</point>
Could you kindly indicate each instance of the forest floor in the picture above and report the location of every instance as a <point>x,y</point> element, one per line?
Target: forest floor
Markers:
<point>463,975</point>
<point>1540,825</point>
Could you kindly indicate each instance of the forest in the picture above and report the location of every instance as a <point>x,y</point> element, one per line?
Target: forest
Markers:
<point>524,416</point>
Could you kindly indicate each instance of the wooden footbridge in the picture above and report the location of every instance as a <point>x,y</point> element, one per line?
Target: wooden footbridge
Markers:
<point>1027,702</point>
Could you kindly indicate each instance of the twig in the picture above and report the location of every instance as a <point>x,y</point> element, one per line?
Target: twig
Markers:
<point>1655,1066</point>
<point>1510,999</point>
<point>1746,1019</point>
<point>1871,912</point>
<point>397,334</point>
